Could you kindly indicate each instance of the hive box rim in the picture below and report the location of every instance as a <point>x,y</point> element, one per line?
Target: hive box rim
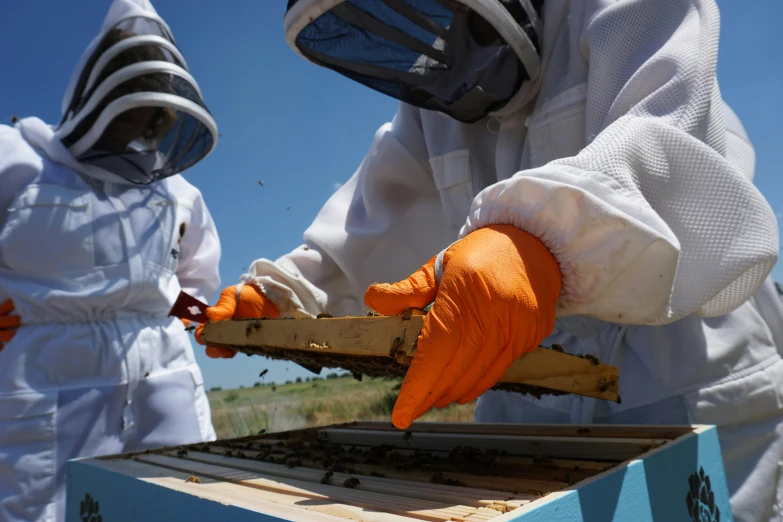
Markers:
<point>687,431</point>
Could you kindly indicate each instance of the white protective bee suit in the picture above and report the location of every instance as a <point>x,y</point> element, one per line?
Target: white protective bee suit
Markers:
<point>623,159</point>
<point>94,250</point>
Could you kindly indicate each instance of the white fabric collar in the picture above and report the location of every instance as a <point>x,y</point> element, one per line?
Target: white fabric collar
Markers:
<point>41,137</point>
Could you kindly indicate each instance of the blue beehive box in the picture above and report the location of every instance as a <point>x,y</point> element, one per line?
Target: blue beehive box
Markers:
<point>434,472</point>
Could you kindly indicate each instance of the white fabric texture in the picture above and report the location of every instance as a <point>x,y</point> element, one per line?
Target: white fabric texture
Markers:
<point>622,168</point>
<point>40,432</point>
<point>93,289</point>
<point>638,178</point>
<point>624,211</point>
<point>93,265</point>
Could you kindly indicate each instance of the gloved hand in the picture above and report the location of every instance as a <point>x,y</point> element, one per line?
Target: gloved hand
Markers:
<point>246,303</point>
<point>494,302</point>
<point>8,322</point>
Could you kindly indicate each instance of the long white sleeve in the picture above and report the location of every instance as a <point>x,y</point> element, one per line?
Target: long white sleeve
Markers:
<point>10,182</point>
<point>200,251</point>
<point>383,223</point>
<point>649,222</point>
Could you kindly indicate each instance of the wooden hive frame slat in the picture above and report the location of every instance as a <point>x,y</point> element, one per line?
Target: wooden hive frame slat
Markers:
<point>394,338</point>
<point>512,486</point>
<point>466,499</point>
<point>594,448</point>
<point>516,460</point>
<point>382,503</point>
<point>526,474</point>
<point>233,494</point>
<point>434,492</point>
<point>538,430</point>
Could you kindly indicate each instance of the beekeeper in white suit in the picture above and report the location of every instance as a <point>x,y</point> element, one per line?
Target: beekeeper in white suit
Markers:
<point>602,198</point>
<point>98,234</point>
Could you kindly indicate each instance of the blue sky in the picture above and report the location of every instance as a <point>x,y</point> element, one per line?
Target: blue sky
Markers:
<point>303,130</point>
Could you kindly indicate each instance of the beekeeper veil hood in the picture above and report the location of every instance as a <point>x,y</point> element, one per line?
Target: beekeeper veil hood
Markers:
<point>132,108</point>
<point>465,58</point>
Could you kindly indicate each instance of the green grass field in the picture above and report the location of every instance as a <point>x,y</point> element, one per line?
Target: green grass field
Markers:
<point>246,411</point>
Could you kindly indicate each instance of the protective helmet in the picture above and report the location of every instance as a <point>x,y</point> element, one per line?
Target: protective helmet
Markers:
<point>464,58</point>
<point>132,108</point>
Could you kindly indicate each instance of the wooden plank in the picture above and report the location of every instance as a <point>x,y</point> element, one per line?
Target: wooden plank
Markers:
<point>375,335</point>
<point>264,484</point>
<point>395,337</point>
<point>482,515</point>
<point>418,509</point>
<point>445,493</point>
<point>503,462</point>
<point>595,448</point>
<point>235,495</point>
<point>527,475</point>
<point>435,492</point>
<point>518,487</point>
<point>563,372</point>
<point>538,469</point>
<point>534,430</point>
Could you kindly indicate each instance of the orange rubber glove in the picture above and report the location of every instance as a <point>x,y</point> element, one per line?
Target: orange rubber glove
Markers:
<point>234,303</point>
<point>8,323</point>
<point>494,302</point>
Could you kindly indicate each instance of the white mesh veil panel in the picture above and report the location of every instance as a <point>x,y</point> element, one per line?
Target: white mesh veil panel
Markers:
<point>132,108</point>
<point>465,58</point>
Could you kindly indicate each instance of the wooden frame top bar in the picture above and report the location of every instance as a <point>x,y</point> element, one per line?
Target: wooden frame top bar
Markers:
<point>394,338</point>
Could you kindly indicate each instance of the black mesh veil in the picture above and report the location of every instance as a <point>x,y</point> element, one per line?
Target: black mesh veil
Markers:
<point>434,54</point>
<point>172,141</point>
<point>134,109</point>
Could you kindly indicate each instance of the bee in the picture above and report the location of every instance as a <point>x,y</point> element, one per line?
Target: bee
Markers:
<point>439,478</point>
<point>593,359</point>
<point>193,479</point>
<point>351,482</point>
<point>182,228</point>
<point>327,478</point>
